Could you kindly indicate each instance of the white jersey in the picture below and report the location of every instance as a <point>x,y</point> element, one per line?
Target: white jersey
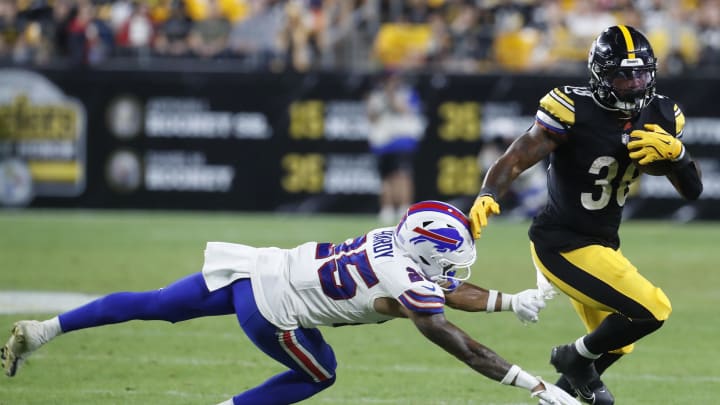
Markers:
<point>328,284</point>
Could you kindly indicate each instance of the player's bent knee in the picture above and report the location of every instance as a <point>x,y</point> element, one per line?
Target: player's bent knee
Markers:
<point>661,307</point>
<point>323,384</point>
<point>646,326</point>
<point>327,383</point>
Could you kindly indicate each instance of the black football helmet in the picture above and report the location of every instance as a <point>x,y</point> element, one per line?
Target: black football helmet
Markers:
<point>622,68</point>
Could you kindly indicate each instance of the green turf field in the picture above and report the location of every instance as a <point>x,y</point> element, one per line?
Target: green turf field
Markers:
<point>206,361</point>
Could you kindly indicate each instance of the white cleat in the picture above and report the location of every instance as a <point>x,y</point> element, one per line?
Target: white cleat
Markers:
<point>26,337</point>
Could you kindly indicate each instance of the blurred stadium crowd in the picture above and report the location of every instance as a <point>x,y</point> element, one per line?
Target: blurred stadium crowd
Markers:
<point>459,36</point>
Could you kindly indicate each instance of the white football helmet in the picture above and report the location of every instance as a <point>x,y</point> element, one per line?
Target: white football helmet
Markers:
<point>436,236</point>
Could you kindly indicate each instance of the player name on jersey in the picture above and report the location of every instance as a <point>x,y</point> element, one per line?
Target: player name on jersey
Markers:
<point>383,244</point>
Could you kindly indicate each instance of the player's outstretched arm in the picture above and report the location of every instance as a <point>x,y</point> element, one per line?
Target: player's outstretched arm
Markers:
<point>531,147</point>
<point>471,298</point>
<point>482,359</point>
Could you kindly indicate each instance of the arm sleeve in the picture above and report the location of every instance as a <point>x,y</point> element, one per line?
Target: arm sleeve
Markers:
<point>685,176</point>
<point>423,301</point>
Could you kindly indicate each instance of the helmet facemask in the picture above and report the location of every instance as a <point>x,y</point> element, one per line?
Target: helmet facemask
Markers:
<point>453,274</point>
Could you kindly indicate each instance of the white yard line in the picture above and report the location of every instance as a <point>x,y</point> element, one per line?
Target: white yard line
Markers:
<point>38,302</point>
<point>421,370</point>
<point>121,393</point>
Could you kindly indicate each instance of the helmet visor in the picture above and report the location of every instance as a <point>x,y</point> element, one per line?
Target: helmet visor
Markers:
<point>629,84</point>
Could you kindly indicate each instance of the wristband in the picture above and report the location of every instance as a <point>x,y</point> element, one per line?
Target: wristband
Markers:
<point>681,160</point>
<point>506,302</point>
<point>525,380</point>
<point>488,191</point>
<point>520,378</point>
<point>491,301</point>
<point>681,156</point>
<point>511,374</point>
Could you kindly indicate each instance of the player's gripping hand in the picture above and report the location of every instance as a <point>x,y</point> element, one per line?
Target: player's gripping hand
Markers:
<point>527,305</point>
<point>553,395</point>
<point>482,208</point>
<point>653,144</point>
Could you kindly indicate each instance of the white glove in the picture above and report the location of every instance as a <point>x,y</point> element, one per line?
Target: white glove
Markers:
<point>546,289</point>
<point>553,395</point>
<point>527,304</point>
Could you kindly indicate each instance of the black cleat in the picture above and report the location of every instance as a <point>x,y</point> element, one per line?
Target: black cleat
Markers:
<point>598,395</point>
<point>578,370</point>
<point>581,374</point>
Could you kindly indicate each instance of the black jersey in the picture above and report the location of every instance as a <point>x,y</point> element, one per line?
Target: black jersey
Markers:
<point>590,173</point>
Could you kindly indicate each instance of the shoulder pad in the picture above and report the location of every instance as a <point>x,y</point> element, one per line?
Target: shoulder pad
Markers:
<point>671,112</point>
<point>557,110</point>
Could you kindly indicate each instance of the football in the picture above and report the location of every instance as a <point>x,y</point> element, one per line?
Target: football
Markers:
<point>656,168</point>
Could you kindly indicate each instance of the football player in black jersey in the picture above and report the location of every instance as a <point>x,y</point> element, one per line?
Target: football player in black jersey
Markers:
<point>598,138</point>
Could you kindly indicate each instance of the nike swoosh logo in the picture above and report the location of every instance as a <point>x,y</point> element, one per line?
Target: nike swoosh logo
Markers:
<point>665,142</point>
<point>429,288</point>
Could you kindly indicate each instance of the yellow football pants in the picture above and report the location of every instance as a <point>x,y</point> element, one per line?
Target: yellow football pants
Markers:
<point>600,281</point>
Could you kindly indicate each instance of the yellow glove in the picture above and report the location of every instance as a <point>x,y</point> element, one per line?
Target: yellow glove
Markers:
<point>654,144</point>
<point>482,208</point>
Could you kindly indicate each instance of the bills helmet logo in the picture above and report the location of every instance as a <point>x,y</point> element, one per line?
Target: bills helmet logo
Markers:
<point>444,239</point>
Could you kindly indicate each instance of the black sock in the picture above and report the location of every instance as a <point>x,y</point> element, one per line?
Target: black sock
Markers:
<point>606,360</point>
<point>617,331</point>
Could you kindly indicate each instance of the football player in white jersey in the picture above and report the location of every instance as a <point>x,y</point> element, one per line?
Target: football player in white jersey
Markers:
<point>281,296</point>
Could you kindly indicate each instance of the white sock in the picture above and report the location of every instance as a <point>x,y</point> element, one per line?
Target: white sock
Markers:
<point>228,402</point>
<point>52,327</point>
<point>583,350</point>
